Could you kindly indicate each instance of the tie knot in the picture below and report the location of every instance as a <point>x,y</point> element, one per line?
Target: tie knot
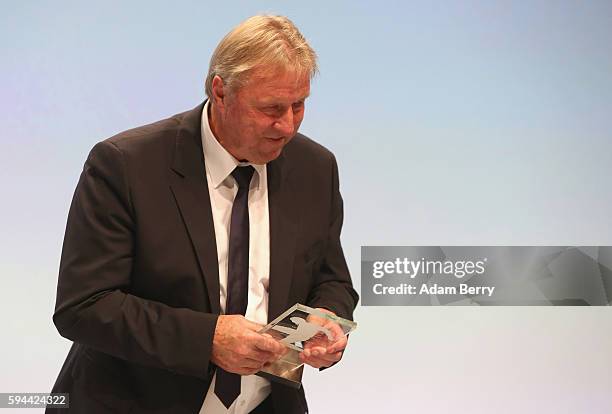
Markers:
<point>243,175</point>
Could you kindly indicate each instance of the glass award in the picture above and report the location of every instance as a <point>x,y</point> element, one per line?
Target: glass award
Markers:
<point>297,326</point>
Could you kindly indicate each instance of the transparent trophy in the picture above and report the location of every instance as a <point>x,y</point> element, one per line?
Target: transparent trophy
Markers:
<point>295,327</point>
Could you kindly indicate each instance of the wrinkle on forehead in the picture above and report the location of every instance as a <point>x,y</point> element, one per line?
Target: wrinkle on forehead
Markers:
<point>262,75</point>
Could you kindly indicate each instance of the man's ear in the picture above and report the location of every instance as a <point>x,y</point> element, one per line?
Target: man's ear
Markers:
<point>218,92</point>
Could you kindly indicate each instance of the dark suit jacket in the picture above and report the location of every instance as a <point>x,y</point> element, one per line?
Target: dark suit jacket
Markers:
<point>138,288</point>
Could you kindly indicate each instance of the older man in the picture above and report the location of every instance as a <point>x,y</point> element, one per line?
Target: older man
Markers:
<point>187,235</point>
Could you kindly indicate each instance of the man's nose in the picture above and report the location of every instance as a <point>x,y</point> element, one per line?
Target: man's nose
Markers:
<point>284,124</point>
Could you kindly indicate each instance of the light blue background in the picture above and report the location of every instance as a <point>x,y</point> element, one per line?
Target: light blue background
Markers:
<point>472,122</point>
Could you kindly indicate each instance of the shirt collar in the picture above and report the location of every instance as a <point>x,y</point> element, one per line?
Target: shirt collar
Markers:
<point>220,163</point>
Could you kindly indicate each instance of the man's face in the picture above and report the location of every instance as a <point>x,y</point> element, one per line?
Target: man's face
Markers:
<point>257,120</point>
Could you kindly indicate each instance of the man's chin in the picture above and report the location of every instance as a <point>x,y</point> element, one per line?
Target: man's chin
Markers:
<point>271,156</point>
<point>273,153</point>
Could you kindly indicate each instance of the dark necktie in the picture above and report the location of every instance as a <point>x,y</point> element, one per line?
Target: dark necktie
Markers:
<point>227,386</point>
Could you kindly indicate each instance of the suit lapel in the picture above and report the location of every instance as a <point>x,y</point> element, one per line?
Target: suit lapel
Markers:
<point>190,189</point>
<point>283,212</point>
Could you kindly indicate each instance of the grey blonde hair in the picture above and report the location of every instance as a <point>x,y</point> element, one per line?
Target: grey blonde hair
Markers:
<point>260,41</point>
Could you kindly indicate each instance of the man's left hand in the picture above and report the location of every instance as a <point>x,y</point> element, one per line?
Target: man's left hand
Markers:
<point>320,352</point>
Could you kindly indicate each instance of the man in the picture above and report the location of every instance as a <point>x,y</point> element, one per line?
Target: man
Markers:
<point>188,235</point>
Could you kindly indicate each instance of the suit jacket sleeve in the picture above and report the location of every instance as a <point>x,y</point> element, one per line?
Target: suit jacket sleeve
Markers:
<point>94,306</point>
<point>332,288</point>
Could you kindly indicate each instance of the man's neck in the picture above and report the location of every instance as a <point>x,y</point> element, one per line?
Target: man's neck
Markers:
<point>214,123</point>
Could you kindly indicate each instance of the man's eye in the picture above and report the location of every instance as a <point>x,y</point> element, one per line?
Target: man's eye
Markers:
<point>272,109</point>
<point>298,105</point>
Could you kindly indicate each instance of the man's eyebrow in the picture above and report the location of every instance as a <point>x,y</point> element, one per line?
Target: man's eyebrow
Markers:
<point>301,99</point>
<point>272,101</point>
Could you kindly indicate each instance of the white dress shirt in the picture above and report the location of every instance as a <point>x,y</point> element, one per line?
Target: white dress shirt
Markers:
<point>223,189</point>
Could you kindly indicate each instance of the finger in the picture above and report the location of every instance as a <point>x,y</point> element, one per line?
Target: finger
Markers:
<point>249,363</point>
<point>331,358</point>
<point>314,349</point>
<point>322,361</point>
<point>334,329</point>
<point>266,343</point>
<point>308,360</point>
<point>339,345</point>
<point>262,356</point>
<point>314,361</point>
<point>324,356</point>
<point>252,325</point>
<point>262,342</point>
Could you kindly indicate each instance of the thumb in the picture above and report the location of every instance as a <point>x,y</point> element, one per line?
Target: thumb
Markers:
<point>252,326</point>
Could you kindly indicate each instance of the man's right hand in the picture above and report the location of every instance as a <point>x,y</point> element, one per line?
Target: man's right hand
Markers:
<point>238,348</point>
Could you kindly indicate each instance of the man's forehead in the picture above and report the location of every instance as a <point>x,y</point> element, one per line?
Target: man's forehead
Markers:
<point>279,82</point>
<point>267,72</point>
